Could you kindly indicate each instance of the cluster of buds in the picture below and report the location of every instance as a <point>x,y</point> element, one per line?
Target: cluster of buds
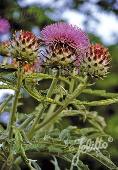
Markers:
<point>61,46</point>
<point>69,47</point>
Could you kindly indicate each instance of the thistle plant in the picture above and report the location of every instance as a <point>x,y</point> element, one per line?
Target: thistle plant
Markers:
<point>65,60</point>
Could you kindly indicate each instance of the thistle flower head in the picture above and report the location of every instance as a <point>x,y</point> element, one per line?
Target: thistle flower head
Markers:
<point>65,33</point>
<point>65,44</point>
<point>25,46</point>
<point>96,63</point>
<point>4,26</point>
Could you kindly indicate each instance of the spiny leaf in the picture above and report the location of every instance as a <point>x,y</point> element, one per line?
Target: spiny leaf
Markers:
<point>80,164</point>
<point>104,160</point>
<point>97,103</point>
<point>3,105</point>
<point>7,69</point>
<point>7,86</point>
<point>39,76</point>
<point>92,117</point>
<point>35,94</point>
<point>101,93</point>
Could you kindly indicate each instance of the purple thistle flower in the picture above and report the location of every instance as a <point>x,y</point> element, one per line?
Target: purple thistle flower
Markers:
<point>66,44</point>
<point>4,26</point>
<point>65,33</point>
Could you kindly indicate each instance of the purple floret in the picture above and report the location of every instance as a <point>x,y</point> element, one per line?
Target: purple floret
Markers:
<point>65,33</point>
<point>68,37</point>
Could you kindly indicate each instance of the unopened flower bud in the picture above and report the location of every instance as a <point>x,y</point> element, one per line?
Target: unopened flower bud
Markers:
<point>97,61</point>
<point>25,46</point>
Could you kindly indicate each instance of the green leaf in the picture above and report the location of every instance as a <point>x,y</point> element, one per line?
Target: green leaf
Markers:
<point>37,95</point>
<point>9,79</point>
<point>3,105</point>
<point>80,164</point>
<point>101,93</point>
<point>4,86</point>
<point>39,76</point>
<point>7,69</point>
<point>97,103</point>
<point>92,117</point>
<point>104,160</point>
<point>87,131</point>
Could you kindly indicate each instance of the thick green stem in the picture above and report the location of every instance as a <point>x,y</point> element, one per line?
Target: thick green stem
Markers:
<point>53,106</point>
<point>69,99</point>
<point>14,105</point>
<point>72,85</point>
<point>54,82</point>
<point>42,108</point>
<point>26,122</point>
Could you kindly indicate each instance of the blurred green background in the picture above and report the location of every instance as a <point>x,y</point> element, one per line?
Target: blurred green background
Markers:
<point>99,18</point>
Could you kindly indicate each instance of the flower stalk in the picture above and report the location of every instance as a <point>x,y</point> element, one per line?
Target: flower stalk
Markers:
<point>42,108</point>
<point>14,105</point>
<point>68,99</point>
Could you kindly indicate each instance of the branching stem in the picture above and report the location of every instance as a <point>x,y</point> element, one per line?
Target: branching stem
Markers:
<point>42,108</point>
<point>14,105</point>
<point>76,93</point>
